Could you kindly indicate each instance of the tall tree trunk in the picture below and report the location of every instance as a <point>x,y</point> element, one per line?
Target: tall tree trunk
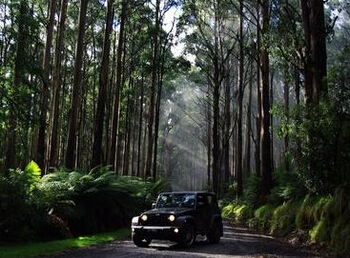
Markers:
<point>239,167</point>
<point>216,165</point>
<point>118,84</point>
<point>209,138</point>
<point>56,89</point>
<point>258,76</point>
<point>265,141</point>
<point>315,64</point>
<point>247,167</point>
<point>139,144</point>
<point>46,88</point>
<point>102,94</point>
<point>151,108</point>
<point>156,124</point>
<point>227,134</point>
<point>71,153</point>
<point>127,134</point>
<point>17,80</point>
<point>286,113</point>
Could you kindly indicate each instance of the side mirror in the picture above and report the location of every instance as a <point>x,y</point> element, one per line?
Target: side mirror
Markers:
<point>153,205</point>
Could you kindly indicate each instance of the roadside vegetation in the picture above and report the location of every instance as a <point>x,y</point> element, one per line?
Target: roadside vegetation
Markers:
<point>46,248</point>
<point>69,204</point>
<point>293,213</point>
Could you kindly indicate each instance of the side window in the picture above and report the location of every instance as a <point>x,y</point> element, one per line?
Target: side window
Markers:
<point>210,199</point>
<point>202,200</point>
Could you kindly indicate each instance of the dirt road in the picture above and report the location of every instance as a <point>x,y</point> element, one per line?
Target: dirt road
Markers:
<point>236,242</point>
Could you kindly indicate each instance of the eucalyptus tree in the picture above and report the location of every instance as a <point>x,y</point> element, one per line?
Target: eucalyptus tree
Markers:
<point>211,42</point>
<point>57,81</point>
<point>18,74</point>
<point>102,94</point>
<point>72,151</point>
<point>21,45</point>
<point>113,154</point>
<point>315,64</point>
<point>160,7</point>
<point>265,141</point>
<point>41,145</point>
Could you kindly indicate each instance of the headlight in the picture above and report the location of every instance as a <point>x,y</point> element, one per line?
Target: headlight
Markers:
<point>135,220</point>
<point>144,217</point>
<point>171,218</point>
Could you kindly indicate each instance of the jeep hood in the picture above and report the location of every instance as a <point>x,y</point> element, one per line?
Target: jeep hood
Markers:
<point>175,211</point>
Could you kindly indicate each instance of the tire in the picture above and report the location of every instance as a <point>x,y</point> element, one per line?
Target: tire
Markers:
<point>215,234</point>
<point>188,236</point>
<point>141,241</point>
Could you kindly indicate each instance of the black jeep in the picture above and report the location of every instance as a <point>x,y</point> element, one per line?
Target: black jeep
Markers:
<point>179,217</point>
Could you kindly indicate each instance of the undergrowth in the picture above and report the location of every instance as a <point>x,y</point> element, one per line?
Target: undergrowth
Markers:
<point>323,218</point>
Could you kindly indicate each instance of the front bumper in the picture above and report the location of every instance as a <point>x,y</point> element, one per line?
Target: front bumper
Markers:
<point>157,232</point>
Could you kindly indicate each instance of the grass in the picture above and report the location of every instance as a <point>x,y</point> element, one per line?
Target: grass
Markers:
<point>47,248</point>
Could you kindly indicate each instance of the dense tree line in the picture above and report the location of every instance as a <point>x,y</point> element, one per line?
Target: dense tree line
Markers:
<point>81,86</point>
<point>95,83</point>
<point>255,108</point>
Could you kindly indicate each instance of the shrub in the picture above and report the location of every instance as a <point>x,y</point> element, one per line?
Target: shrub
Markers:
<point>228,211</point>
<point>319,233</point>
<point>96,201</point>
<point>66,203</point>
<point>262,217</point>
<point>19,209</point>
<point>240,213</point>
<point>283,219</point>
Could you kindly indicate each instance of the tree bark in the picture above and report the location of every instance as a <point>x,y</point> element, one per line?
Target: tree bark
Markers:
<point>239,167</point>
<point>41,146</point>
<point>17,81</point>
<point>265,140</point>
<point>258,76</point>
<point>71,152</point>
<point>286,113</point>
<point>227,132</point>
<point>315,63</point>
<point>102,95</point>
<point>152,96</point>
<point>56,87</point>
<point>246,164</point>
<point>118,84</point>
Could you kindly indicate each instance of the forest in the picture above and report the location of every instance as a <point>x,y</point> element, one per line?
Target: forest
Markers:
<point>113,100</point>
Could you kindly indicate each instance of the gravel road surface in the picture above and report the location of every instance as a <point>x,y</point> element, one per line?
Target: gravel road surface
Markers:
<point>236,242</point>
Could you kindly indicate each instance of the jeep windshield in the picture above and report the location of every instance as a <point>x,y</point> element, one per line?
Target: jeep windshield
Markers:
<point>174,200</point>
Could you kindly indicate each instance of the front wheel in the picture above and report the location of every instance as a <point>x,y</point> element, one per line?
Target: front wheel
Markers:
<point>214,234</point>
<point>188,236</point>
<point>141,241</point>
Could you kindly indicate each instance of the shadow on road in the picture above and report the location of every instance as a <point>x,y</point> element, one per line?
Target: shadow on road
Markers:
<point>235,242</point>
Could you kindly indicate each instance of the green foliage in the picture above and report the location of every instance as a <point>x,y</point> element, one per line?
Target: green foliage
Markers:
<point>70,202</point>
<point>98,200</point>
<point>228,211</point>
<point>262,217</point>
<point>288,186</point>
<point>53,247</point>
<point>340,239</point>
<point>283,218</point>
<point>252,191</point>
<point>304,216</point>
<point>319,233</point>
<point>240,213</point>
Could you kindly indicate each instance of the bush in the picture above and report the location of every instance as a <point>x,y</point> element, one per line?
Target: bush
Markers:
<point>19,209</point>
<point>319,233</point>
<point>283,219</point>
<point>262,217</point>
<point>239,213</point>
<point>66,203</point>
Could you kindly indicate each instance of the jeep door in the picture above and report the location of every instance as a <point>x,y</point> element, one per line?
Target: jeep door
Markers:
<point>202,213</point>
